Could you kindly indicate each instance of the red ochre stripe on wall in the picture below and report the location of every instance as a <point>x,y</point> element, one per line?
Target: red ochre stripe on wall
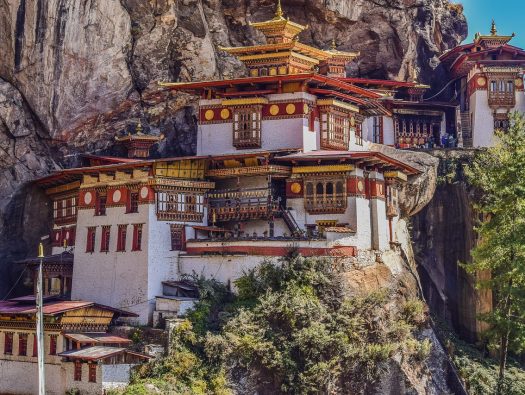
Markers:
<point>271,251</point>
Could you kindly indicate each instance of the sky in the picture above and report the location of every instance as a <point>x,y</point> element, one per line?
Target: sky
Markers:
<point>508,14</point>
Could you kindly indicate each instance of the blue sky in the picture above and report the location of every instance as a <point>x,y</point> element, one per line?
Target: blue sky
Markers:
<point>508,14</point>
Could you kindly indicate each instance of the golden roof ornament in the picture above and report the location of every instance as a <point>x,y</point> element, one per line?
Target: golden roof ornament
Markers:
<point>279,11</point>
<point>333,47</point>
<point>493,29</point>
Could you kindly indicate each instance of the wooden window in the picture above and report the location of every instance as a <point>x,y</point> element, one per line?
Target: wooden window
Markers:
<point>335,130</point>
<point>359,134</point>
<point>92,373</point>
<point>35,346</point>
<point>100,205</point>
<point>65,210</point>
<point>177,237</point>
<point>180,206</point>
<point>377,130</point>
<point>137,237</point>
<point>52,344</point>
<point>501,92</point>
<point>77,375</point>
<point>121,237</point>
<point>247,127</point>
<point>8,343</point>
<point>133,203</point>
<point>325,196</point>
<point>90,243</point>
<point>104,241</point>
<point>22,344</point>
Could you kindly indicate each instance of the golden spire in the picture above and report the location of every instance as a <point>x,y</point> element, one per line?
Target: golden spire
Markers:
<point>333,46</point>
<point>138,130</point>
<point>279,11</point>
<point>493,29</point>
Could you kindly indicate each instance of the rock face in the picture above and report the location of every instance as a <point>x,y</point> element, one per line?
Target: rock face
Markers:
<point>443,235</point>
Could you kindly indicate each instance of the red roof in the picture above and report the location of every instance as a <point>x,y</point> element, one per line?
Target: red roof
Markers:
<point>54,307</point>
<point>389,83</point>
<point>104,338</point>
<point>96,353</point>
<point>355,155</point>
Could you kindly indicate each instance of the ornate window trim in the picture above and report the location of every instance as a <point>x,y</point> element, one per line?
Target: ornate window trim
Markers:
<point>187,206</point>
<point>335,129</point>
<point>247,123</point>
<point>325,195</point>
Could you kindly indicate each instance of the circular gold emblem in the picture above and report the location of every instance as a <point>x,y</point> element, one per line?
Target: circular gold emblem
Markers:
<point>144,192</point>
<point>482,81</point>
<point>352,121</point>
<point>360,186</point>
<point>209,115</point>
<point>116,196</point>
<point>305,108</point>
<point>290,109</point>
<point>519,82</point>
<point>274,109</point>
<point>225,113</point>
<point>88,197</point>
<point>295,187</point>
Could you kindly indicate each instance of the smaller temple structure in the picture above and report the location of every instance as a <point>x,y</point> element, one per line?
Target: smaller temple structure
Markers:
<point>80,355</point>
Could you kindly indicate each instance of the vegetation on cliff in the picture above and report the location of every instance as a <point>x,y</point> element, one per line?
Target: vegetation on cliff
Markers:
<point>499,173</point>
<point>290,329</point>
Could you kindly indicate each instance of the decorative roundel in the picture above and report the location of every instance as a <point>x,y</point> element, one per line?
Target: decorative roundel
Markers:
<point>305,108</point>
<point>209,114</point>
<point>225,113</point>
<point>352,121</point>
<point>116,196</point>
<point>88,197</point>
<point>295,187</point>
<point>360,186</point>
<point>144,192</point>
<point>290,109</point>
<point>482,81</point>
<point>519,82</point>
<point>274,109</point>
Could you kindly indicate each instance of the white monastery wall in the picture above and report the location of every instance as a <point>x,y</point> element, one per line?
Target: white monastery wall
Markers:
<point>84,386</point>
<point>259,226</point>
<point>388,131</point>
<point>282,133</point>
<point>215,139</point>
<point>115,376</point>
<point>483,121</point>
<point>225,269</point>
<point>17,377</point>
<point>520,102</point>
<point>118,279</point>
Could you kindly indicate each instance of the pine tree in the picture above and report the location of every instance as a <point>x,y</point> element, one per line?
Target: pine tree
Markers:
<point>499,175</point>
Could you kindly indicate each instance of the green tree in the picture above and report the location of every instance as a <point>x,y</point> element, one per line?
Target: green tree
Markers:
<point>499,175</point>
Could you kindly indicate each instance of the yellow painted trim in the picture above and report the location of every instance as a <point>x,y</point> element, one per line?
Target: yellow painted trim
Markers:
<point>239,102</point>
<point>337,103</point>
<point>322,169</point>
<point>396,174</point>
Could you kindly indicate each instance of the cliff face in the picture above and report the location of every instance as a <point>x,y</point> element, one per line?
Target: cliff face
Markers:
<point>74,73</point>
<point>443,235</point>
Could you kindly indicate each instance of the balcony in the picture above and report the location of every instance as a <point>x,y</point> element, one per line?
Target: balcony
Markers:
<point>332,204</point>
<point>502,99</point>
<point>245,204</point>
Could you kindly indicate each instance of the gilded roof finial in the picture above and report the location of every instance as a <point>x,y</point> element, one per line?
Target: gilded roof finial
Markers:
<point>333,46</point>
<point>493,29</point>
<point>279,11</point>
<point>138,130</point>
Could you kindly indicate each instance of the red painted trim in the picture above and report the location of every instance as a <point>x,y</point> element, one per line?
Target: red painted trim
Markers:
<point>395,84</point>
<point>249,93</point>
<point>271,251</point>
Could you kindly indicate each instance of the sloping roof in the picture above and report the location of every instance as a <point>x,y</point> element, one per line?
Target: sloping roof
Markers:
<point>54,307</point>
<point>103,338</point>
<point>63,257</point>
<point>96,353</point>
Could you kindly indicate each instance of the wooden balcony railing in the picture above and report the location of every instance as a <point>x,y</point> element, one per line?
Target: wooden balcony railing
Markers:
<point>504,99</point>
<point>334,204</point>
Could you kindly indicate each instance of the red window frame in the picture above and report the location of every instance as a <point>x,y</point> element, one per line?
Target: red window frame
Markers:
<point>35,346</point>
<point>104,240</point>
<point>100,204</point>
<point>137,237</point>
<point>8,343</point>
<point>90,243</point>
<point>22,344</point>
<point>178,238</point>
<point>52,344</point>
<point>77,374</point>
<point>121,237</point>
<point>92,377</point>
<point>133,203</point>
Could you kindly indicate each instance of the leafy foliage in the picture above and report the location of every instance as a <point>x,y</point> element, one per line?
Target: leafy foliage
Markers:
<point>290,329</point>
<point>499,173</point>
